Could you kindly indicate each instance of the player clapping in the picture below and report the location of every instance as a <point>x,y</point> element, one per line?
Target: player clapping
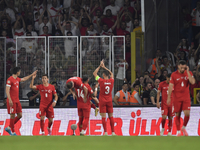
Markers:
<point>105,96</point>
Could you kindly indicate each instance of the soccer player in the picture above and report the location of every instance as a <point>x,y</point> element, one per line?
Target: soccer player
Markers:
<point>76,82</point>
<point>166,110</point>
<point>13,103</point>
<point>84,108</point>
<point>105,96</point>
<point>46,103</point>
<point>180,80</point>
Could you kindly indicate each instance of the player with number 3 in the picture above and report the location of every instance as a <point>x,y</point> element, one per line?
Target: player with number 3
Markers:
<point>105,95</point>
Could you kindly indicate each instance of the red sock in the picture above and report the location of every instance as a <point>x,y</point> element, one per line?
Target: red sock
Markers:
<point>49,124</point>
<point>93,106</point>
<point>186,119</point>
<point>170,125</point>
<point>177,120</point>
<point>42,125</point>
<point>16,120</point>
<point>163,123</point>
<point>104,124</point>
<point>85,123</point>
<point>80,123</point>
<point>12,125</point>
<point>112,124</point>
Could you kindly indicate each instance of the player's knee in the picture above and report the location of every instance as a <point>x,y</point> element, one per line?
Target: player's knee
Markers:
<point>110,115</point>
<point>50,119</point>
<point>164,117</point>
<point>170,118</point>
<point>42,117</point>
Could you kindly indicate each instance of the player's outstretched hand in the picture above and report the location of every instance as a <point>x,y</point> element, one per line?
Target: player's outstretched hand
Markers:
<point>158,105</point>
<point>34,76</point>
<point>54,104</point>
<point>35,72</point>
<point>101,63</point>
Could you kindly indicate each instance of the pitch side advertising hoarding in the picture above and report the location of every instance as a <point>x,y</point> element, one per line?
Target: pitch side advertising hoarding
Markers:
<point>130,121</point>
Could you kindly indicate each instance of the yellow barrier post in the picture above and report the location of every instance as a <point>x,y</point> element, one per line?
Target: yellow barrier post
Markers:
<point>133,56</point>
<point>195,95</point>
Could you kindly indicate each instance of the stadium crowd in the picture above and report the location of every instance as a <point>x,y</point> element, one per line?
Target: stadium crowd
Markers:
<point>89,18</point>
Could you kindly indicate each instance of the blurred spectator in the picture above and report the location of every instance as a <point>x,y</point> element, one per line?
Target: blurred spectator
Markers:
<point>196,23</point>
<point>146,94</point>
<point>135,97</point>
<point>197,83</point>
<point>45,31</point>
<point>70,46</point>
<point>114,8</point>
<point>153,93</point>
<point>34,97</point>
<point>11,9</point>
<point>166,65</point>
<point>30,44</point>
<point>191,57</point>
<point>30,29</point>
<point>45,21</point>
<point>59,93</point>
<point>6,27</point>
<point>155,68</point>
<point>162,77</point>
<point>19,27</point>
<point>109,19</point>
<point>122,97</point>
<point>136,26</point>
<point>121,28</point>
<point>69,98</point>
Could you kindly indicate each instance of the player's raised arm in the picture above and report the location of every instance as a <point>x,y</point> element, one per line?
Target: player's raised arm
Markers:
<point>169,93</point>
<point>158,98</point>
<point>191,78</point>
<point>32,81</point>
<point>104,67</point>
<point>27,77</point>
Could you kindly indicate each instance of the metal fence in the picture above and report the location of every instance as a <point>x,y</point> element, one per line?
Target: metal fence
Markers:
<point>3,60</point>
<point>63,59</point>
<point>119,64</point>
<point>92,50</point>
<point>31,55</point>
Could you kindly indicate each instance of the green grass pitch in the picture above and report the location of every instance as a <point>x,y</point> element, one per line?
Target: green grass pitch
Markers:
<point>98,143</point>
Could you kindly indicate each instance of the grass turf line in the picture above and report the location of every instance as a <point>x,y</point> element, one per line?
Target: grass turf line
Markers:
<point>98,143</point>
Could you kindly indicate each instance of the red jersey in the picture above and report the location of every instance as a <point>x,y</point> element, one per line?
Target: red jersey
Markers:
<point>109,21</point>
<point>163,87</point>
<point>46,94</point>
<point>106,86</point>
<point>80,97</point>
<point>78,84</point>
<point>181,86</point>
<point>119,31</point>
<point>14,88</point>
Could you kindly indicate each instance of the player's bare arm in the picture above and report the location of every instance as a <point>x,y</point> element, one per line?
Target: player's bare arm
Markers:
<point>95,99</point>
<point>73,93</point>
<point>96,88</point>
<point>169,93</point>
<point>96,71</point>
<point>85,94</point>
<point>145,100</point>
<point>158,98</point>
<point>115,100</point>
<point>55,100</point>
<point>191,78</point>
<point>104,67</point>
<point>8,95</point>
<point>27,77</point>
<point>32,81</point>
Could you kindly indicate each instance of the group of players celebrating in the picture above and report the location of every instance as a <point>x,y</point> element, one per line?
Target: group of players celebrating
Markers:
<point>175,98</point>
<point>80,89</point>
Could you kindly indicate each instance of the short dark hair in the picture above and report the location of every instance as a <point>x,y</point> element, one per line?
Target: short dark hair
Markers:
<point>16,69</point>
<point>147,83</point>
<point>124,83</point>
<point>54,82</point>
<point>168,75</point>
<point>106,72</point>
<point>164,57</point>
<point>44,27</point>
<point>69,33</point>
<point>182,62</point>
<point>29,33</point>
<point>136,84</point>
<point>45,75</point>
<point>69,85</point>
<point>84,78</point>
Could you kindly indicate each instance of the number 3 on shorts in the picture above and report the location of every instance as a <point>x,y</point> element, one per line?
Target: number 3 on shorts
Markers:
<point>107,90</point>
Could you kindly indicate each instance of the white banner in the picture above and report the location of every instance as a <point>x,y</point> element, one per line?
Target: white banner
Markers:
<point>128,121</point>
